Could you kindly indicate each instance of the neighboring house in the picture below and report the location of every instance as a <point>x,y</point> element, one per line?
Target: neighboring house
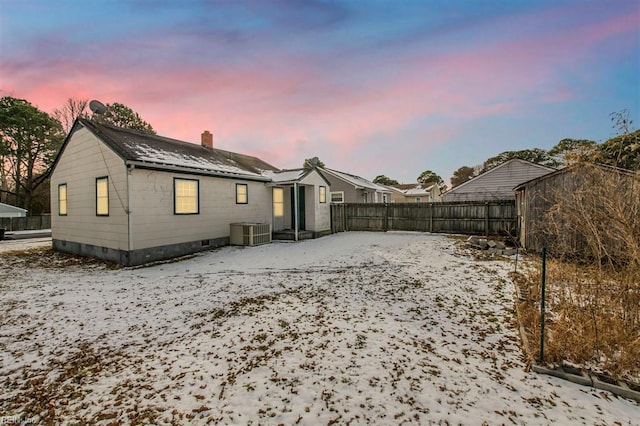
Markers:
<point>132,198</point>
<point>561,210</point>
<point>348,188</point>
<point>415,193</point>
<point>7,210</point>
<point>497,183</point>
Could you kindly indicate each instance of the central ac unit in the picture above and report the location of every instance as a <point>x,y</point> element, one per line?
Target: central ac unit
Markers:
<point>250,234</point>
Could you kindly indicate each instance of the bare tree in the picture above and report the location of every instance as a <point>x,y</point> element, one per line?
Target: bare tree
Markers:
<point>70,111</point>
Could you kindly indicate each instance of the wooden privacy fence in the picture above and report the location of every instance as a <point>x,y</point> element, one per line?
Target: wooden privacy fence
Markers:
<point>25,223</point>
<point>481,218</point>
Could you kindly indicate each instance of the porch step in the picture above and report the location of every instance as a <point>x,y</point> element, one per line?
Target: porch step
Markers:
<point>289,234</point>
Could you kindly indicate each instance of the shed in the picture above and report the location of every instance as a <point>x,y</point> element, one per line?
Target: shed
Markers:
<point>569,209</point>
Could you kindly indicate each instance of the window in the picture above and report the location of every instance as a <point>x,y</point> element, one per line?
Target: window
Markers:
<point>278,202</point>
<point>102,196</point>
<point>385,198</point>
<point>323,194</point>
<point>62,199</point>
<point>365,197</point>
<point>418,199</point>
<point>242,193</point>
<point>186,196</point>
<point>337,197</point>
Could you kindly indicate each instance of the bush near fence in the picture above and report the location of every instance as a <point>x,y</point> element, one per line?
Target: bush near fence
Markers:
<point>592,316</point>
<point>591,225</point>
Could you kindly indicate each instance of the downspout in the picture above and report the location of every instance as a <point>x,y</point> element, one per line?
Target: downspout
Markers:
<point>295,209</point>
<point>129,223</point>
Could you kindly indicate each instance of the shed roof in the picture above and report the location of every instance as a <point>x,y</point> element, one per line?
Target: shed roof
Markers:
<point>153,151</point>
<point>604,167</point>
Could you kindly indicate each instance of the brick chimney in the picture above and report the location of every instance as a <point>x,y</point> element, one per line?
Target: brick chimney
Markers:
<point>207,139</point>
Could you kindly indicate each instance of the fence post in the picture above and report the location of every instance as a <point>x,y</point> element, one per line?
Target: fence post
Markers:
<point>486,219</point>
<point>385,226</point>
<point>542,307</point>
<point>431,217</point>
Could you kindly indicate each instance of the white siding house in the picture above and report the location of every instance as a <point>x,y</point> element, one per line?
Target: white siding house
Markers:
<point>7,210</point>
<point>415,193</point>
<point>348,188</point>
<point>133,198</point>
<point>497,183</point>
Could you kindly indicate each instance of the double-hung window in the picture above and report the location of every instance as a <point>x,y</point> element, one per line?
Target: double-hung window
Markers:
<point>102,196</point>
<point>62,199</point>
<point>186,196</point>
<point>322,195</point>
<point>337,197</point>
<point>242,193</point>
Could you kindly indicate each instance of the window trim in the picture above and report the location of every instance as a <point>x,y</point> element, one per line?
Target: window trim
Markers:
<point>175,196</point>
<point>322,194</point>
<point>246,193</point>
<point>66,198</point>
<point>98,179</point>
<point>341,197</point>
<point>275,203</point>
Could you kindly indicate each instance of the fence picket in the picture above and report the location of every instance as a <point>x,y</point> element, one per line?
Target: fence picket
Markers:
<point>483,218</point>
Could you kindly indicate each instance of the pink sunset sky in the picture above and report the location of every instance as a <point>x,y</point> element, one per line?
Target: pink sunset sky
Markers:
<point>369,87</point>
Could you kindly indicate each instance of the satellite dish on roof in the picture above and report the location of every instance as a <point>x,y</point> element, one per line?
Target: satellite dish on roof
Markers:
<point>97,107</point>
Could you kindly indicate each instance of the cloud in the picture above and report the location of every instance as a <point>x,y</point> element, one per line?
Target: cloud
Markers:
<point>303,78</point>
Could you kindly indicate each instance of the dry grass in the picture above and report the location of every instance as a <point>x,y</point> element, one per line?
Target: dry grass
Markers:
<point>593,317</point>
<point>593,281</point>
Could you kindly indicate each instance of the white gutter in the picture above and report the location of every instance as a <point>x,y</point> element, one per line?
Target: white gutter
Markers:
<point>295,209</point>
<point>129,223</point>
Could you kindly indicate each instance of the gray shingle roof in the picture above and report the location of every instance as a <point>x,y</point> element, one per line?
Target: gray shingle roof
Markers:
<point>158,151</point>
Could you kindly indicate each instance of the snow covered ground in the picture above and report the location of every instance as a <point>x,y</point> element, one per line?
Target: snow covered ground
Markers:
<point>353,328</point>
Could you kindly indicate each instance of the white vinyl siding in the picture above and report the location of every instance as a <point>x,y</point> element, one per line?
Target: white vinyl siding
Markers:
<point>84,159</point>
<point>155,224</point>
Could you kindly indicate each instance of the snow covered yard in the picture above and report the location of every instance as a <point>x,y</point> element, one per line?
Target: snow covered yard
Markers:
<point>353,328</point>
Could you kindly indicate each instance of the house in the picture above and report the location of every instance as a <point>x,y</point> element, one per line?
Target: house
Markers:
<point>584,209</point>
<point>133,198</point>
<point>7,210</point>
<point>415,193</point>
<point>348,188</point>
<point>497,183</point>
